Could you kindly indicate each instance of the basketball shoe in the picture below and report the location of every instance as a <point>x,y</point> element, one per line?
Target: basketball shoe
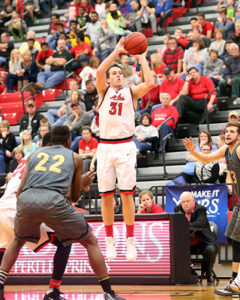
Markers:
<point>234,286</point>
<point>54,295</point>
<point>131,253</point>
<point>111,252</point>
<point>226,291</point>
<point>108,296</point>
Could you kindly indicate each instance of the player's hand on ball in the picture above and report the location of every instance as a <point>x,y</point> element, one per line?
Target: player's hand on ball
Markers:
<point>120,45</point>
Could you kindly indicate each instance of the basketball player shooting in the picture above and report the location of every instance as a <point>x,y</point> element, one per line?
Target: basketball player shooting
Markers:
<point>116,153</point>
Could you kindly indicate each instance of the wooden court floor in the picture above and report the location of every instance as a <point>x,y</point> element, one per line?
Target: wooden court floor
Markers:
<point>92,292</point>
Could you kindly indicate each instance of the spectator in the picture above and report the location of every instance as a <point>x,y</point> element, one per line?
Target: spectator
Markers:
<point>47,80</point>
<point>219,43</point>
<point>236,35</point>
<point>88,7</point>
<point>106,42</point>
<point>233,116</point>
<point>34,51</point>
<point>6,48</point>
<point>89,72</point>
<point>100,7</point>
<point>83,17</point>
<point>163,9</point>
<point>227,53</point>
<point>90,97</point>
<point>14,70</point>
<point>87,147</point>
<point>206,172</point>
<point>204,137</point>
<point>181,39</point>
<point>152,97</point>
<point>92,29</point>
<point>201,236</point>
<point>116,21</point>
<point>195,56</point>
<point>73,10</point>
<point>196,34</point>
<point>74,30</point>
<point>29,69</point>
<point>222,162</point>
<point>173,55</point>
<point>143,132</point>
<point>61,116</point>
<point>231,75</point>
<point>15,26</point>
<point>24,45</point>
<point>148,13</point>
<point>6,12</point>
<point>164,47</point>
<point>237,14</point>
<point>44,128</point>
<point>55,19</point>
<point>229,7</point>
<point>147,206</point>
<point>161,114</point>
<point>7,144</point>
<point>27,144</point>
<point>206,27</point>
<point>130,78</point>
<point>17,155</point>
<point>52,40</point>
<point>82,52</point>
<point>195,89</point>
<point>172,85</point>
<point>42,56</point>
<point>77,119</point>
<point>224,23</point>
<point>213,67</point>
<point>124,7</point>
<point>157,65</point>
<point>31,120</point>
<point>132,18</point>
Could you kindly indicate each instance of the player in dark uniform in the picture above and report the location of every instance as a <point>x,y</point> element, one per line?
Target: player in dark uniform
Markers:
<point>52,175</point>
<point>231,151</point>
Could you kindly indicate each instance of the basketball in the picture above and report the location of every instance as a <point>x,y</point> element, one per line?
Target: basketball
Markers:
<point>135,43</point>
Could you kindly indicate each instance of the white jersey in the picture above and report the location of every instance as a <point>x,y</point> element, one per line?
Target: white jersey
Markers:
<point>8,207</point>
<point>116,115</point>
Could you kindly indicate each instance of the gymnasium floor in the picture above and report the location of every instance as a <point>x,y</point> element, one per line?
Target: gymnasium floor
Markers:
<point>93,292</point>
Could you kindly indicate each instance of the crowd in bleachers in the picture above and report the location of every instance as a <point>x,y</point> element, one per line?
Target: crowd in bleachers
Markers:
<point>185,68</point>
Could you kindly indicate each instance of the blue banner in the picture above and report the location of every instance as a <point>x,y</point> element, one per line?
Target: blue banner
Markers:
<point>213,197</point>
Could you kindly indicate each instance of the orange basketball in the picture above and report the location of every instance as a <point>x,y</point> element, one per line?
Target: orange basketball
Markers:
<point>136,43</point>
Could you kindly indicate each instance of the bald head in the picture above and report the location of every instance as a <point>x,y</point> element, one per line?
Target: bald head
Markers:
<point>187,202</point>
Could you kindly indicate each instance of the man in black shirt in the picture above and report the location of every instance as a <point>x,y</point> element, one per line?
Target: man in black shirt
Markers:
<point>47,80</point>
<point>5,49</point>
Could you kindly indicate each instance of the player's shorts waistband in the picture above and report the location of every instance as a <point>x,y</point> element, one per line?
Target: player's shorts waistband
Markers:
<point>116,141</point>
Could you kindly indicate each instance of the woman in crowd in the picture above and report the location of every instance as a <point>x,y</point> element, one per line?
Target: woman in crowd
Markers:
<point>206,172</point>
<point>27,144</point>
<point>219,43</point>
<point>14,70</point>
<point>29,69</point>
<point>157,65</point>
<point>146,204</point>
<point>195,56</point>
<point>204,137</point>
<point>143,132</point>
<point>7,144</point>
<point>17,155</point>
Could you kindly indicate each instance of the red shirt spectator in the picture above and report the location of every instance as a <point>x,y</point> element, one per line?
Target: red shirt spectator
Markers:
<point>173,55</point>
<point>152,96</point>
<point>80,48</point>
<point>172,85</point>
<point>206,27</point>
<point>43,54</point>
<point>161,114</point>
<point>199,90</point>
<point>87,147</point>
<point>156,209</point>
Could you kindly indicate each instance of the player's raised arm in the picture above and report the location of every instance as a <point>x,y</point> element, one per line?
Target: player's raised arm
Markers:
<point>101,79</point>
<point>206,158</point>
<point>143,88</point>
